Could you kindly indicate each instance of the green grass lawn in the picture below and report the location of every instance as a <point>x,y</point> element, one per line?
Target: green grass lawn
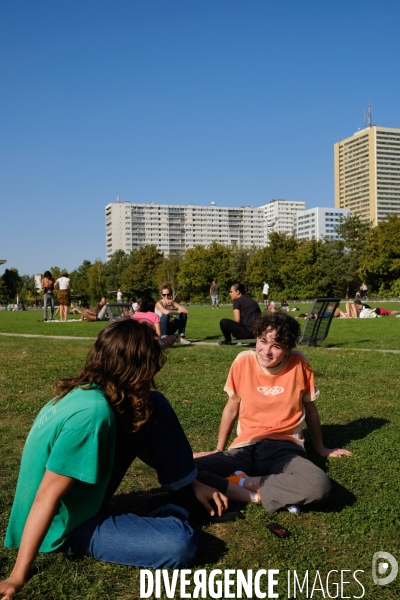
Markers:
<point>359,408</point>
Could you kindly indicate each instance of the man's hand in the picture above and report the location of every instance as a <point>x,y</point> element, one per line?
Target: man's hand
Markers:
<point>9,587</point>
<point>335,452</point>
<point>200,454</point>
<point>204,494</point>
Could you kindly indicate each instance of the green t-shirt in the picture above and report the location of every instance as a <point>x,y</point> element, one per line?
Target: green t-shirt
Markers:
<point>73,437</point>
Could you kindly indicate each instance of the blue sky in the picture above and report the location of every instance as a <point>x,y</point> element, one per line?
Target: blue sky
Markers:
<point>177,101</point>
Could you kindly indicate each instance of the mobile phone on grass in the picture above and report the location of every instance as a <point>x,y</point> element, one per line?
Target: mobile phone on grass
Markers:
<point>278,530</point>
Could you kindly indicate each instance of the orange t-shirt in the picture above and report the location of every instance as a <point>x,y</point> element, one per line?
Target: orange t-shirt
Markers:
<point>271,400</point>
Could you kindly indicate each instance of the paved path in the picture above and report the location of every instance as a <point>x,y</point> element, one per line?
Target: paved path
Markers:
<point>71,337</point>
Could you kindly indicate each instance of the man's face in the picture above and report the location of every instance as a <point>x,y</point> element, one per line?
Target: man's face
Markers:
<point>103,301</point>
<point>269,352</point>
<point>166,296</point>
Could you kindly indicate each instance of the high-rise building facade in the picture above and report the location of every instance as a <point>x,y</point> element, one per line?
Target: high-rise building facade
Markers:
<point>367,173</point>
<point>318,222</point>
<point>278,215</point>
<point>174,228</point>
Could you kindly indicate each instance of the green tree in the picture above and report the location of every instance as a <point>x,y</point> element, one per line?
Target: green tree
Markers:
<point>353,233</point>
<point>3,291</point>
<point>199,267</point>
<point>380,264</point>
<point>80,280</point>
<point>114,269</point>
<point>96,281</point>
<point>27,291</point>
<point>266,265</point>
<point>56,272</point>
<point>140,275</point>
<point>239,257</point>
<point>300,272</point>
<point>12,283</point>
<point>168,270</point>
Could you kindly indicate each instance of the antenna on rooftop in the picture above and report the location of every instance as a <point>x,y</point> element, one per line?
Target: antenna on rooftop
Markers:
<point>118,199</point>
<point>368,114</point>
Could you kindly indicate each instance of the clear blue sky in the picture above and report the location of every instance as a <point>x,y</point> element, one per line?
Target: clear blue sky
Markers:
<point>177,101</point>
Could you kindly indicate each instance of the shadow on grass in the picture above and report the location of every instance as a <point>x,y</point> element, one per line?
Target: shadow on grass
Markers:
<point>339,435</point>
<point>345,345</point>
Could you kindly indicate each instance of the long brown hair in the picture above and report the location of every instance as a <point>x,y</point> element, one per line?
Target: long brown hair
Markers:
<point>122,362</point>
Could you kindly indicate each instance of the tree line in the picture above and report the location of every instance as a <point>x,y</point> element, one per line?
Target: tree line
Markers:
<point>295,269</point>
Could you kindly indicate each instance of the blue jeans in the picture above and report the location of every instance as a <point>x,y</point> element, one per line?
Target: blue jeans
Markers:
<point>171,324</point>
<point>48,298</point>
<point>164,538</point>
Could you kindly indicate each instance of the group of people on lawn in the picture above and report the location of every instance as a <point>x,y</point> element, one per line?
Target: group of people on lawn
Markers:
<point>83,441</point>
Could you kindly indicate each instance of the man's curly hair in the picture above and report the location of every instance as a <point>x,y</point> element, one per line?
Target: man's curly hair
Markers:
<point>286,328</point>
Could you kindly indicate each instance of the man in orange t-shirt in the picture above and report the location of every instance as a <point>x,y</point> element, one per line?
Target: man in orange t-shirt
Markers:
<point>271,394</point>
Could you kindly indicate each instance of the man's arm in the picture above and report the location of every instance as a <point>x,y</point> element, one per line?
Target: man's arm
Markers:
<point>52,488</point>
<point>228,419</point>
<point>314,428</point>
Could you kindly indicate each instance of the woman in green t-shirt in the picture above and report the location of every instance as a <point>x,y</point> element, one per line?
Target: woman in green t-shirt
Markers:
<point>77,453</point>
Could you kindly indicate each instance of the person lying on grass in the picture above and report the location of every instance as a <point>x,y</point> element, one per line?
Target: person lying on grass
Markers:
<point>78,450</point>
<point>271,392</point>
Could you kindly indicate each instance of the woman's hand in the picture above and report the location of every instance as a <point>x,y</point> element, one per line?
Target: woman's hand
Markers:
<point>9,587</point>
<point>204,494</point>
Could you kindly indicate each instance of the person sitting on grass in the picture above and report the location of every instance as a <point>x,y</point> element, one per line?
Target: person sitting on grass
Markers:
<point>78,450</point>
<point>271,393</point>
<point>338,314</point>
<point>354,310</point>
<point>245,312</point>
<point>173,316</point>
<point>99,313</point>
<point>145,312</point>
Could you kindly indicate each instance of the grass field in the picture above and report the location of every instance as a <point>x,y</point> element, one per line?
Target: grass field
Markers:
<point>359,408</point>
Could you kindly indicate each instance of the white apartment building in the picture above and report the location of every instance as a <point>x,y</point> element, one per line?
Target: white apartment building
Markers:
<point>318,222</point>
<point>278,215</point>
<point>174,228</point>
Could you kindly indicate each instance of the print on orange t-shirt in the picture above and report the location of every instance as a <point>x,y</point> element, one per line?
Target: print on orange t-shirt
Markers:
<point>271,400</point>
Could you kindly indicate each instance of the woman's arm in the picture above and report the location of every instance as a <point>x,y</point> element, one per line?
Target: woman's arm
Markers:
<point>163,310</point>
<point>52,488</point>
<point>157,327</point>
<point>180,308</point>
<point>204,494</point>
<point>236,315</point>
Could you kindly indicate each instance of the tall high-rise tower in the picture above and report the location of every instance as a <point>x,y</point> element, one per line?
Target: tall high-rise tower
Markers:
<point>367,173</point>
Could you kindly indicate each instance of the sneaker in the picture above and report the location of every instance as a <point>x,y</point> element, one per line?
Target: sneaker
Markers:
<point>293,508</point>
<point>223,343</point>
<point>182,340</point>
<point>237,477</point>
<point>44,320</point>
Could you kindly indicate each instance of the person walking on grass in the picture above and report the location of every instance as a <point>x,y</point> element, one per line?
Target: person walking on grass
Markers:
<point>271,393</point>
<point>214,293</point>
<point>265,292</point>
<point>78,450</point>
